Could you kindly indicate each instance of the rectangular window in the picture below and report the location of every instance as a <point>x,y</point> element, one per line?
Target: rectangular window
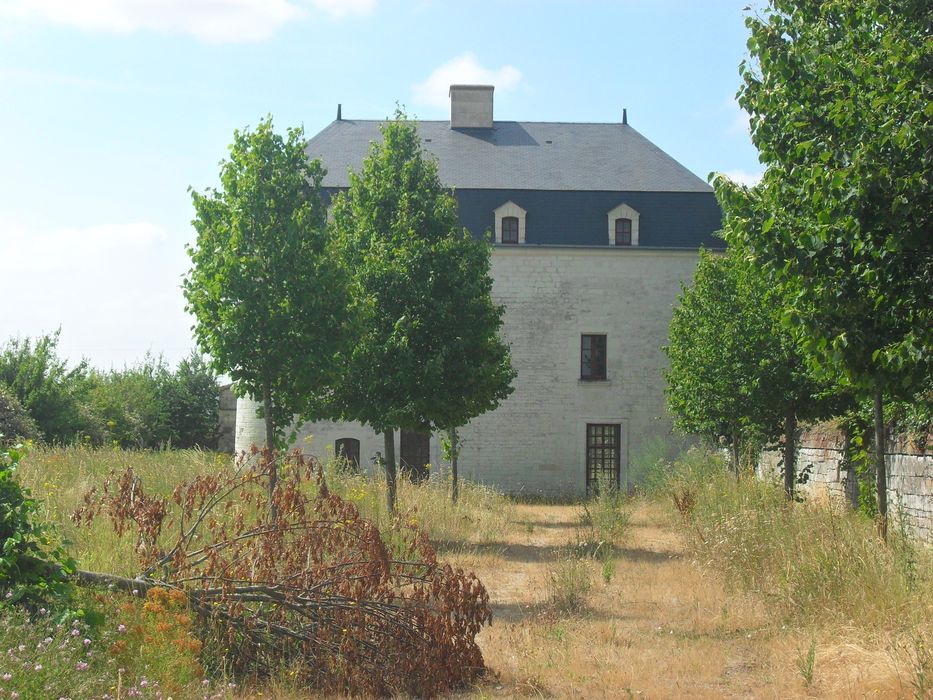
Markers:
<point>603,455</point>
<point>623,232</point>
<point>510,229</point>
<point>592,357</point>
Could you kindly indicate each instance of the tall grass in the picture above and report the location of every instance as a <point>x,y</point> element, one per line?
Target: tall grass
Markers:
<point>480,515</point>
<point>814,561</point>
<point>60,477</point>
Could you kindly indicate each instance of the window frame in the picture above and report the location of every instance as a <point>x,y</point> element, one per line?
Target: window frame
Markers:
<point>623,211</point>
<point>621,231</point>
<point>503,211</point>
<point>510,220</point>
<point>347,453</point>
<point>597,357</point>
<point>603,444</point>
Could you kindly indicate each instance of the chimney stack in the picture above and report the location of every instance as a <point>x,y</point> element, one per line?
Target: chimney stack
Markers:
<point>471,106</point>
<point>624,116</point>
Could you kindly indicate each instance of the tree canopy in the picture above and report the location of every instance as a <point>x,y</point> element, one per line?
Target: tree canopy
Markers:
<point>266,290</point>
<point>427,353</point>
<point>839,98</point>
<point>736,375</point>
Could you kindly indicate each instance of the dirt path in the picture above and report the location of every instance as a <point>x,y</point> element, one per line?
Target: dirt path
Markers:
<point>661,627</point>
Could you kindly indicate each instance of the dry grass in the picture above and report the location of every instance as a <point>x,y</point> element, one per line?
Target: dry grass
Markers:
<point>664,625</point>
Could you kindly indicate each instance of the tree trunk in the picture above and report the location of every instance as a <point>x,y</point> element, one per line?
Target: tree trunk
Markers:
<point>270,446</point>
<point>735,455</point>
<point>790,452</point>
<point>881,476</point>
<point>852,483</point>
<point>454,457</point>
<point>389,436</point>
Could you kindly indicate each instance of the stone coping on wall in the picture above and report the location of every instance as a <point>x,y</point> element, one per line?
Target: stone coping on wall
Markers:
<point>829,436</point>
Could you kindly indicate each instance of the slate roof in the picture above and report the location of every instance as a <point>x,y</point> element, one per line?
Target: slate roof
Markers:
<point>520,156</point>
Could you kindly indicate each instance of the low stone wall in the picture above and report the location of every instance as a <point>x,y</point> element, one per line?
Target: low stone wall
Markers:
<point>823,449</point>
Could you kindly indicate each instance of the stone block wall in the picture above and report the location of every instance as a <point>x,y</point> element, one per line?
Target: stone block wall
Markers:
<point>910,474</point>
<point>535,442</point>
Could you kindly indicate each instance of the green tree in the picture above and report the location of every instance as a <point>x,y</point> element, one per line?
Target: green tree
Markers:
<point>839,98</point>
<point>191,396</point>
<point>736,374</point>
<point>53,394</point>
<point>15,422</point>
<point>427,353</point>
<point>265,288</point>
<point>129,405</point>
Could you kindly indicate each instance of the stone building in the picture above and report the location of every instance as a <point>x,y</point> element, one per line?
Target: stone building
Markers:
<point>594,229</point>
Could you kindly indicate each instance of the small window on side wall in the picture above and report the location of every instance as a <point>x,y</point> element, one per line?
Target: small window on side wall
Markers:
<point>592,357</point>
<point>510,229</point>
<point>348,449</point>
<point>623,232</point>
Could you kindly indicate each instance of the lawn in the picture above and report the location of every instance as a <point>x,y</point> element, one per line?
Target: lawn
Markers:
<point>642,610</point>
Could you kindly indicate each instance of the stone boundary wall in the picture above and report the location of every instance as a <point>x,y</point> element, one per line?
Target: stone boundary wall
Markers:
<point>910,474</point>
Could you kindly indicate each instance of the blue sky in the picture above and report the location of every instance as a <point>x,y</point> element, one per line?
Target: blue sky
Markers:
<point>111,109</point>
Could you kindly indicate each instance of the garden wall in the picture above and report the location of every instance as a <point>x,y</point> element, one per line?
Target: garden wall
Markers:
<point>910,474</point>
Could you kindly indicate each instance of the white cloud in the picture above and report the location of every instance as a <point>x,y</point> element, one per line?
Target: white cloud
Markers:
<point>744,178</point>
<point>342,8</point>
<point>209,20</point>
<point>113,289</point>
<point>463,69</point>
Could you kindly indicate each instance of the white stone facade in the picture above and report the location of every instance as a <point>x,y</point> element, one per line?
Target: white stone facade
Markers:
<point>535,442</point>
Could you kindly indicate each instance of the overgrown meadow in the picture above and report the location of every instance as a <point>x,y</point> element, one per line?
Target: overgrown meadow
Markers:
<point>827,606</point>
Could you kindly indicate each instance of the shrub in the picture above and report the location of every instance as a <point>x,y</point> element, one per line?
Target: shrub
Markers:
<point>314,587</point>
<point>568,582</point>
<point>15,422</point>
<point>32,571</point>
<point>604,519</point>
<point>128,403</point>
<point>191,397</point>
<point>54,395</point>
<point>150,406</point>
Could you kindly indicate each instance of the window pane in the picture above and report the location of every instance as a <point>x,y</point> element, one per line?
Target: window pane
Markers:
<point>623,232</point>
<point>593,357</point>
<point>510,229</point>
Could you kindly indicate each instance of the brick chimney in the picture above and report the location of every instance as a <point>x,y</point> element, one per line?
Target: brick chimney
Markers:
<point>471,106</point>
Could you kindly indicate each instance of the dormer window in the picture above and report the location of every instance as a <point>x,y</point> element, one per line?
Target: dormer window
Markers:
<point>623,226</point>
<point>510,229</point>
<point>510,224</point>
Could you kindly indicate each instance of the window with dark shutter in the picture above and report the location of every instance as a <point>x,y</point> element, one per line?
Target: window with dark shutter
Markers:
<point>623,232</point>
<point>592,357</point>
<point>510,229</point>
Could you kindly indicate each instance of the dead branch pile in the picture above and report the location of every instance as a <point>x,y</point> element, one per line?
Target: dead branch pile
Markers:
<point>318,588</point>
